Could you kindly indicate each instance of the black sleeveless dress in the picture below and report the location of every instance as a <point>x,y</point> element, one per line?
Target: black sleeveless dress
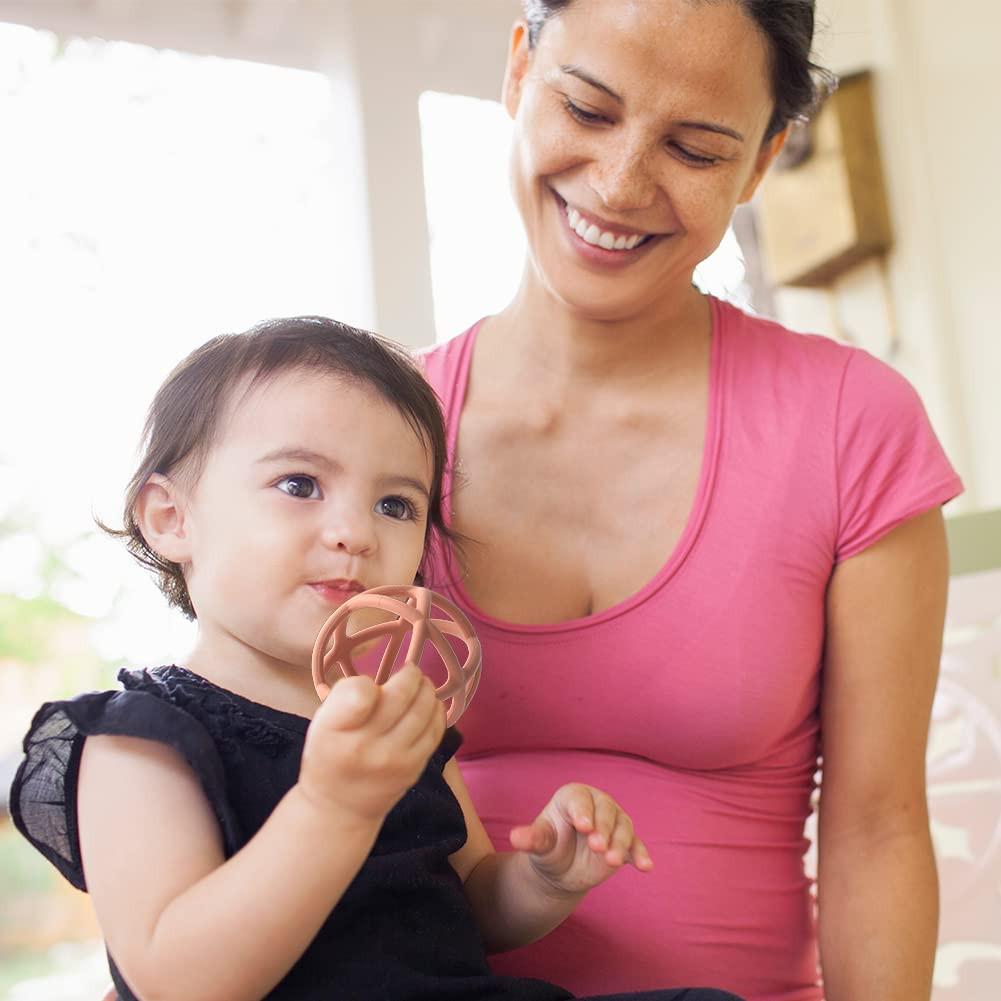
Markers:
<point>403,931</point>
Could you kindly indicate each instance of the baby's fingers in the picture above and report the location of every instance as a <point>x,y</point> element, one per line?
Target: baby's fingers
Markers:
<point>423,724</point>
<point>538,838</point>
<point>607,819</point>
<point>639,856</point>
<point>576,803</point>
<point>350,704</point>
<point>621,845</point>
<point>401,694</point>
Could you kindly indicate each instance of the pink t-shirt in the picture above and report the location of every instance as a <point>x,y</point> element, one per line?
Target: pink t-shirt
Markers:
<point>695,701</point>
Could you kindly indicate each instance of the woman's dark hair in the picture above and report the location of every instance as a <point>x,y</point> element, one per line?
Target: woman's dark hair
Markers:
<point>798,84</point>
<point>184,417</point>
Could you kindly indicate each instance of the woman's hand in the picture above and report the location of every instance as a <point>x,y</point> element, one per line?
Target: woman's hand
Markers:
<point>368,744</point>
<point>580,839</point>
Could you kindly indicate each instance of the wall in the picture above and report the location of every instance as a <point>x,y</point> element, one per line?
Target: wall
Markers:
<point>927,308</point>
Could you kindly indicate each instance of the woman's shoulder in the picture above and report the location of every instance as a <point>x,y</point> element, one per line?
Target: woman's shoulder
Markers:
<point>884,462</point>
<point>444,362</point>
<point>753,335</point>
<point>810,361</point>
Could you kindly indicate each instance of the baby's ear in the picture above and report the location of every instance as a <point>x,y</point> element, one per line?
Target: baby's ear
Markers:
<point>160,514</point>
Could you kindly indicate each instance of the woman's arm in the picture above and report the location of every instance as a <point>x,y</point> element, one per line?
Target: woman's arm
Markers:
<point>580,839</point>
<point>181,921</point>
<point>877,883</point>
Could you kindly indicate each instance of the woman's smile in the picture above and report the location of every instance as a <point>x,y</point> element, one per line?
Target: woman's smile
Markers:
<point>642,126</point>
<point>600,242</point>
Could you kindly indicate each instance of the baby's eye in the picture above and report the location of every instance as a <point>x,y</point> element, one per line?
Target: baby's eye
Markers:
<point>396,507</point>
<point>299,485</point>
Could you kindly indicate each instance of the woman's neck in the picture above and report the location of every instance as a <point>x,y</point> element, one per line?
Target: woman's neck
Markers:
<point>538,337</point>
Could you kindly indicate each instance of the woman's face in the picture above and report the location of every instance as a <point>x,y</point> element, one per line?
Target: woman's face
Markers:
<point>639,126</point>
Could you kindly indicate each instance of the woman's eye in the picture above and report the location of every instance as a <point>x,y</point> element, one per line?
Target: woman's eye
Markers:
<point>696,159</point>
<point>396,507</point>
<point>581,114</point>
<point>299,485</point>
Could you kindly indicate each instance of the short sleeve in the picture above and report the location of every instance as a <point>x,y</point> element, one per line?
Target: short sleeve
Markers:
<point>890,464</point>
<point>450,743</point>
<point>43,798</point>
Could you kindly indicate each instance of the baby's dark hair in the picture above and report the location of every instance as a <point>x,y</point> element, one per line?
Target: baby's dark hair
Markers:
<point>183,420</point>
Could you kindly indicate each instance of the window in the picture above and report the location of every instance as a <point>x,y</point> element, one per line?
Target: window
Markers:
<point>150,200</point>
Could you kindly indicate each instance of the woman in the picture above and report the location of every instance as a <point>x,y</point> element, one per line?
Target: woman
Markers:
<point>705,551</point>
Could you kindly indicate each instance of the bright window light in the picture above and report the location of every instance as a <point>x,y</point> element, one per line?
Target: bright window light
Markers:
<point>477,243</point>
<point>150,200</point>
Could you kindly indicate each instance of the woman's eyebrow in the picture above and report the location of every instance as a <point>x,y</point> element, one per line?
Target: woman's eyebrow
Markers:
<point>587,78</point>
<point>722,130</point>
<point>581,74</point>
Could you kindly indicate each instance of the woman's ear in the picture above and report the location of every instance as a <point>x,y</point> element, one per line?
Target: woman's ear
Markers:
<point>766,155</point>
<point>160,512</point>
<point>518,58</point>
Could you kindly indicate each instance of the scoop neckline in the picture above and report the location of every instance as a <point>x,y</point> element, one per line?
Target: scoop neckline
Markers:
<point>712,444</point>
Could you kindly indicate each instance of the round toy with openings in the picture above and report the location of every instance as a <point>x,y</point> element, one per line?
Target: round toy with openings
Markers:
<point>411,610</point>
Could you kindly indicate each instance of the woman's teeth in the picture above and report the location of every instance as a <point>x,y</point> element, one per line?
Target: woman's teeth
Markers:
<point>590,233</point>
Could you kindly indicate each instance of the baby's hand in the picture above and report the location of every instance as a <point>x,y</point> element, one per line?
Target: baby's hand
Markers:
<point>368,744</point>
<point>580,839</point>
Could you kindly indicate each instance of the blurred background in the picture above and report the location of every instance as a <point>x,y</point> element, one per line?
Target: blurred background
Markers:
<point>174,169</point>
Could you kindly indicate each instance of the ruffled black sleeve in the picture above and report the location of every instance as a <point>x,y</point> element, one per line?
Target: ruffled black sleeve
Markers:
<point>43,799</point>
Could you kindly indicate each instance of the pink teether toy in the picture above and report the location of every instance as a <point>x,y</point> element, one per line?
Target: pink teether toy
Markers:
<point>412,607</point>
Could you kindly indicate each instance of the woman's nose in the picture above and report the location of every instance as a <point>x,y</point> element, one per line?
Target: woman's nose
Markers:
<point>621,178</point>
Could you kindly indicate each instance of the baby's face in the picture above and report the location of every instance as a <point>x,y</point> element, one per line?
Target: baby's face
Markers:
<point>315,489</point>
